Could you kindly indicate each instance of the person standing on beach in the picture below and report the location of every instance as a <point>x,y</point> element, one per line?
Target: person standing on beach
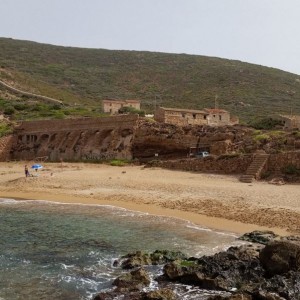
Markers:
<point>26,171</point>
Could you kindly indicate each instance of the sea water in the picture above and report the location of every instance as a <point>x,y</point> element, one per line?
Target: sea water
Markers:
<point>66,251</point>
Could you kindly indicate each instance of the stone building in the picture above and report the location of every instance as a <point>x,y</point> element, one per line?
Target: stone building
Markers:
<point>291,122</point>
<point>179,116</point>
<point>182,117</point>
<point>112,106</point>
<point>218,117</point>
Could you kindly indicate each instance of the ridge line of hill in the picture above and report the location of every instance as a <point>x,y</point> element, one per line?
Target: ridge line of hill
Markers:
<point>84,77</point>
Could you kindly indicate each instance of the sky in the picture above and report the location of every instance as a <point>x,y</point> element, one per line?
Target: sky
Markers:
<point>264,32</point>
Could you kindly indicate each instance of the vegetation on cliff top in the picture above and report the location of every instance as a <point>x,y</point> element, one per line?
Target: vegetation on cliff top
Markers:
<point>83,77</point>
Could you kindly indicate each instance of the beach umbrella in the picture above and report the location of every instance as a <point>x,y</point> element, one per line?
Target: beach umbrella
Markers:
<point>36,166</point>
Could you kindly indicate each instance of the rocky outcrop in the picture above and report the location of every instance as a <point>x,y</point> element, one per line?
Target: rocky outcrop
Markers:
<point>251,272</point>
<point>170,141</point>
<point>223,271</point>
<point>139,258</point>
<point>132,281</point>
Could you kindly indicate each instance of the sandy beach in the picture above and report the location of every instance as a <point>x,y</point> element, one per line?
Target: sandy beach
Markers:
<point>216,201</point>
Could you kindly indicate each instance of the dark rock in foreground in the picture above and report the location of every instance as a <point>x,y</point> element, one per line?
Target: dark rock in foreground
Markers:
<point>279,257</point>
<point>160,294</point>
<point>248,272</point>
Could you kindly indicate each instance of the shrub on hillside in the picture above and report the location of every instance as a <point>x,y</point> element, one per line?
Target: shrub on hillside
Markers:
<point>131,110</point>
<point>5,128</point>
<point>266,123</point>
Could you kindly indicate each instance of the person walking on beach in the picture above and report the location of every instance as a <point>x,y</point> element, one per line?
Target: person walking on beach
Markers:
<point>26,171</point>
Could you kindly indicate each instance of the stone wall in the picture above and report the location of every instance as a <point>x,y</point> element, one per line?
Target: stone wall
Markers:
<point>75,139</point>
<point>221,165</point>
<point>5,147</point>
<point>277,162</point>
<point>230,164</point>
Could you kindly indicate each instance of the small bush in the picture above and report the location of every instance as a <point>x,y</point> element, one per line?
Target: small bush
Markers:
<point>20,106</point>
<point>5,129</point>
<point>9,111</point>
<point>131,110</point>
<point>261,137</point>
<point>290,170</point>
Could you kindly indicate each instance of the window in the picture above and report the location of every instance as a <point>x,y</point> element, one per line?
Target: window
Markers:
<point>194,116</point>
<point>183,115</point>
<point>204,117</point>
<point>220,117</point>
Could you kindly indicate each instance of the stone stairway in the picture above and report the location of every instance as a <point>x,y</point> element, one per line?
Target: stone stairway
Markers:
<point>255,168</point>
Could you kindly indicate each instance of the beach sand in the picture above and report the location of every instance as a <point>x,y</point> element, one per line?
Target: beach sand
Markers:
<point>215,201</point>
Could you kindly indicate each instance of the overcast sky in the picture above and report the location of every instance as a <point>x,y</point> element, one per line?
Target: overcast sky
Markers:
<point>265,32</point>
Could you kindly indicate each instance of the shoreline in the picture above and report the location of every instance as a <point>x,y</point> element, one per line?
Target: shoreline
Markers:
<point>215,201</point>
<point>212,223</point>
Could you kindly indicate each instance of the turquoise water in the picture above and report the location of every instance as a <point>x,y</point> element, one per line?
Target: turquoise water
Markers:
<point>64,251</point>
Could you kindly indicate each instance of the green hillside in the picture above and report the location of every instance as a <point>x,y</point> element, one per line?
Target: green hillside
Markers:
<point>79,76</point>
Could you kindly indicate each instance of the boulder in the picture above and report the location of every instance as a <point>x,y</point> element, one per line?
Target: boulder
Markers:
<point>160,294</point>
<point>279,257</point>
<point>133,281</point>
<point>136,259</point>
<point>158,257</point>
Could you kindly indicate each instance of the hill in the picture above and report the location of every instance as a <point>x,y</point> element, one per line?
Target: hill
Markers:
<point>83,77</point>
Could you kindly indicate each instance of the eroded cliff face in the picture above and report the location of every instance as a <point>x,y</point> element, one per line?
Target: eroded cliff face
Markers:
<point>75,139</point>
<point>171,141</point>
<point>127,137</point>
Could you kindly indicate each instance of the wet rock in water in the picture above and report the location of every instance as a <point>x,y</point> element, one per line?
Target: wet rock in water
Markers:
<point>232,297</point>
<point>136,259</point>
<point>132,281</point>
<point>279,257</point>
<point>160,257</point>
<point>139,258</point>
<point>260,237</point>
<point>160,294</point>
<point>113,295</point>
